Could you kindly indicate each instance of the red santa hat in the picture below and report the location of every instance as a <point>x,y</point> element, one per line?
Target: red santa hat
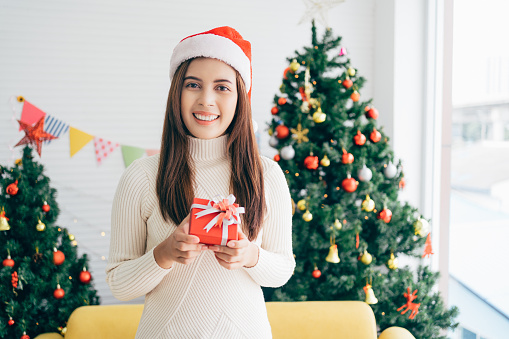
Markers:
<point>222,43</point>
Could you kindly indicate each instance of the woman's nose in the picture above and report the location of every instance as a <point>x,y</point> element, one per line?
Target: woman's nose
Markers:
<point>207,98</point>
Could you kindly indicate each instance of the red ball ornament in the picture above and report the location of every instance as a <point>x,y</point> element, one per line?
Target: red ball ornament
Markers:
<point>311,162</point>
<point>10,322</point>
<point>12,189</point>
<point>317,273</point>
<point>277,157</point>
<point>347,83</point>
<point>8,262</point>
<point>24,336</point>
<point>375,136</point>
<point>85,276</point>
<point>402,183</point>
<point>359,139</point>
<point>282,132</point>
<point>287,69</point>
<point>59,293</point>
<point>372,113</point>
<point>355,96</point>
<point>58,257</point>
<point>281,101</point>
<point>347,158</point>
<point>45,207</point>
<point>385,215</point>
<point>274,110</point>
<point>349,184</point>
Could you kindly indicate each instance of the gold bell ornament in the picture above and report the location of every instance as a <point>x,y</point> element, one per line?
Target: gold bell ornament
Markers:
<point>366,258</point>
<point>4,221</point>
<point>325,162</point>
<point>307,216</point>
<point>301,205</point>
<point>319,116</point>
<point>351,71</point>
<point>368,204</point>
<point>337,224</point>
<point>370,295</point>
<point>392,263</point>
<point>333,256</point>
<point>40,226</point>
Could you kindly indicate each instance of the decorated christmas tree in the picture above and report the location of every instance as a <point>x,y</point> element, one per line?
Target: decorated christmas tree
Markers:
<point>42,279</point>
<point>349,227</point>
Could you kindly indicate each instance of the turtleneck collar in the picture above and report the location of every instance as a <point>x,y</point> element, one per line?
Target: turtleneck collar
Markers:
<point>208,149</point>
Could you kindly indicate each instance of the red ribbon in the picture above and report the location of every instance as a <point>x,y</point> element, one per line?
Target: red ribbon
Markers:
<point>227,211</point>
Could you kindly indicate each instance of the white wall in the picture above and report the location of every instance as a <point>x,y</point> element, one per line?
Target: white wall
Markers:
<point>102,67</point>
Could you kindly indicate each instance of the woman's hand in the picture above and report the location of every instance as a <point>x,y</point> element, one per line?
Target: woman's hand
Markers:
<point>179,247</point>
<point>236,253</point>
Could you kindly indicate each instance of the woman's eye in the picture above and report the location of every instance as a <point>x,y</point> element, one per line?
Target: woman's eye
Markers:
<point>222,88</point>
<point>192,85</point>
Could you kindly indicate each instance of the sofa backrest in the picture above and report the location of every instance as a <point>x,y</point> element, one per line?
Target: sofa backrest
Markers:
<point>308,319</point>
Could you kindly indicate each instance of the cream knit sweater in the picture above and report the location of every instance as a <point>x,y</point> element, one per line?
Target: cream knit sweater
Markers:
<point>203,299</point>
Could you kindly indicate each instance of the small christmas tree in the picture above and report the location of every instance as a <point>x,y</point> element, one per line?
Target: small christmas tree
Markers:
<point>349,227</point>
<point>42,279</point>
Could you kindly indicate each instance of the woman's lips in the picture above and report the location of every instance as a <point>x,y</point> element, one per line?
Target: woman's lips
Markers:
<point>199,117</point>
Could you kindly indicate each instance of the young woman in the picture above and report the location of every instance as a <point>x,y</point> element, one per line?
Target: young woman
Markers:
<point>208,148</point>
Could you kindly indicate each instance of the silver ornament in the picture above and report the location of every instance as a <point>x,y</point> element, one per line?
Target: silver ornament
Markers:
<point>365,174</point>
<point>390,170</point>
<point>287,152</point>
<point>273,141</point>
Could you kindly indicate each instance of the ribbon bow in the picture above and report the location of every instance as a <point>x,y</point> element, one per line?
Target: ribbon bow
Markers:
<point>228,212</point>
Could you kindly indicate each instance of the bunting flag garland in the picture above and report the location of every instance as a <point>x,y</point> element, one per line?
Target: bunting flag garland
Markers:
<point>151,152</point>
<point>41,128</point>
<point>54,127</point>
<point>103,148</point>
<point>78,140</point>
<point>131,153</point>
<point>30,114</point>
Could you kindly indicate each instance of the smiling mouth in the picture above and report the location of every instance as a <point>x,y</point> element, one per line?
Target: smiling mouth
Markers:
<point>203,117</point>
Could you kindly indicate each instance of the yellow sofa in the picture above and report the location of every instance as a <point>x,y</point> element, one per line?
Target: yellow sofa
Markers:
<point>308,319</point>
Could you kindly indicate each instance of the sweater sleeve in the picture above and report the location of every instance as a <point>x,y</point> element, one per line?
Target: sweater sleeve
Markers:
<point>131,271</point>
<point>276,261</point>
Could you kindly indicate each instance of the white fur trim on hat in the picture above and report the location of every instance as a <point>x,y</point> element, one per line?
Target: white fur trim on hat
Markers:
<point>212,46</point>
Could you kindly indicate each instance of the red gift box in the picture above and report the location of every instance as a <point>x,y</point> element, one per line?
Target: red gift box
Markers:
<point>216,221</point>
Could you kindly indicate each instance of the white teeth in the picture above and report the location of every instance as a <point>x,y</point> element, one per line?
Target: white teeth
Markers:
<point>205,117</point>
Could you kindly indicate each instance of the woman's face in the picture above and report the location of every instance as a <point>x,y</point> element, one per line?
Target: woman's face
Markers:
<point>208,98</point>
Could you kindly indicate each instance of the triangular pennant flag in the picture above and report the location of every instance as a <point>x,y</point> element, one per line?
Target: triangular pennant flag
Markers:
<point>30,114</point>
<point>151,152</point>
<point>103,148</point>
<point>131,153</point>
<point>55,127</point>
<point>78,140</point>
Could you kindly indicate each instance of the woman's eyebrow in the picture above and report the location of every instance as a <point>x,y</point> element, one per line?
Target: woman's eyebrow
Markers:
<point>192,78</point>
<point>223,80</point>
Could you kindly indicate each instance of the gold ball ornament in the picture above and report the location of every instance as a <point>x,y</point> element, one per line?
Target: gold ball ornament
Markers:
<point>351,71</point>
<point>392,263</point>
<point>294,66</point>
<point>18,162</point>
<point>307,216</point>
<point>421,227</point>
<point>368,204</point>
<point>40,226</point>
<point>325,162</point>
<point>271,131</point>
<point>301,205</point>
<point>71,237</point>
<point>319,116</point>
<point>337,224</point>
<point>293,207</point>
<point>366,258</point>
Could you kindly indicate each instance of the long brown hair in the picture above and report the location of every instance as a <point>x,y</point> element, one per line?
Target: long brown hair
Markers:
<point>175,178</point>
